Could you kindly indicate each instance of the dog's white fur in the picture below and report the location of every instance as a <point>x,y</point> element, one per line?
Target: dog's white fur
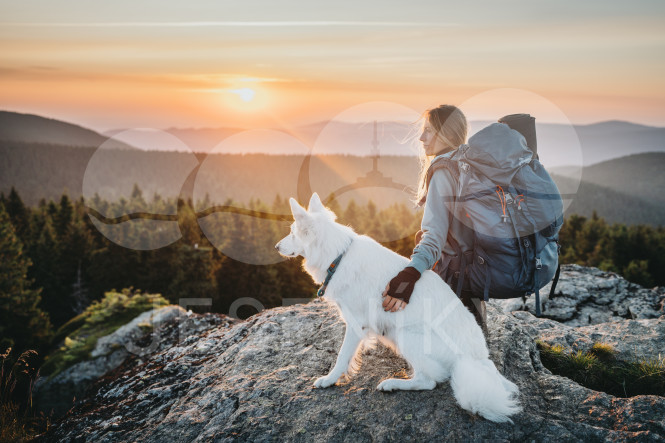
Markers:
<point>435,333</point>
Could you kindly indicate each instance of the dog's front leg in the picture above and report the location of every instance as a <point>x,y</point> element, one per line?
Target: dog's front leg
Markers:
<point>349,347</point>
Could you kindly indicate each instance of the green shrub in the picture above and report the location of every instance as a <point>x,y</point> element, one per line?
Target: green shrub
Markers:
<point>600,370</point>
<point>78,337</point>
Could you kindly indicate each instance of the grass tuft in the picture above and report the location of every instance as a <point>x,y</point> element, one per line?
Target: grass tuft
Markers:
<point>600,370</point>
<point>604,351</point>
<point>18,421</point>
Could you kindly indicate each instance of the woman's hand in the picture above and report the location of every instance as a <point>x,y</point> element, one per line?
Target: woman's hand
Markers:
<point>398,292</point>
<point>392,304</point>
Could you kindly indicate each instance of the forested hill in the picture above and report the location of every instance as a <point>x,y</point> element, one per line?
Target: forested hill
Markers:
<point>46,171</point>
<point>637,176</point>
<point>613,205</point>
<point>626,190</point>
<point>29,128</point>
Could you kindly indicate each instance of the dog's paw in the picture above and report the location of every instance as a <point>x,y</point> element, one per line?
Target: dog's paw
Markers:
<point>386,385</point>
<point>324,382</point>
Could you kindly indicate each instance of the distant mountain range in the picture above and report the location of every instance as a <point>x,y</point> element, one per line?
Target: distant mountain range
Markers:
<point>28,128</point>
<point>322,138</point>
<point>559,145</point>
<point>627,190</point>
<point>631,186</point>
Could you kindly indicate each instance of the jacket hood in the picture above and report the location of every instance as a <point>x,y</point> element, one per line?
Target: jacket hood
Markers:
<point>497,152</point>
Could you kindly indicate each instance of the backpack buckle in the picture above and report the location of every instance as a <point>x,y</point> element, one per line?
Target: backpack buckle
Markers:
<point>539,263</point>
<point>464,166</point>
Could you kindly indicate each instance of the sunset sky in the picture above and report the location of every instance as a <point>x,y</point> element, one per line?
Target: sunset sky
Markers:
<point>263,64</point>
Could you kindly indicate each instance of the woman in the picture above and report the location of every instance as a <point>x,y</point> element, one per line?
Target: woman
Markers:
<point>444,131</point>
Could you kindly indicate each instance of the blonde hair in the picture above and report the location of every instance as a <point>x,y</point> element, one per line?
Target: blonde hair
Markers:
<point>450,126</point>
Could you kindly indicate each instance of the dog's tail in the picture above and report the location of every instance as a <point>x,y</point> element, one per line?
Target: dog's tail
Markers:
<point>480,388</point>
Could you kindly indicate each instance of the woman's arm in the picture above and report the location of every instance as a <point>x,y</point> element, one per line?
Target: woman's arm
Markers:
<point>436,221</point>
<point>435,224</point>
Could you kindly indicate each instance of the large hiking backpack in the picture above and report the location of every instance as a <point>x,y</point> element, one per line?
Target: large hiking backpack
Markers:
<point>515,211</point>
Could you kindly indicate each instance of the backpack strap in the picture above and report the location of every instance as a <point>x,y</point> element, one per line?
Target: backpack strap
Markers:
<point>537,301</point>
<point>556,280</point>
<point>441,163</point>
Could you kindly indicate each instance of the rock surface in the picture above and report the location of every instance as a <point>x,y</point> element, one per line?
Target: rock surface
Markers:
<point>252,382</point>
<point>632,339</point>
<point>56,394</point>
<point>587,296</point>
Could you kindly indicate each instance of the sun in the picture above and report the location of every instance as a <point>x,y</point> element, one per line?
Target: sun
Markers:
<point>245,94</point>
<point>243,98</point>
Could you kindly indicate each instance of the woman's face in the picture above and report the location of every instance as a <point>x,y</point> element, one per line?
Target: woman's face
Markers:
<point>431,143</point>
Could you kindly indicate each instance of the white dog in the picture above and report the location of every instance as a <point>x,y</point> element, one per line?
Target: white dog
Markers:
<point>435,333</point>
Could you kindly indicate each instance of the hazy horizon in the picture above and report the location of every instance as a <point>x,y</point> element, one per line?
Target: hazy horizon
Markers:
<point>103,130</point>
<point>559,145</point>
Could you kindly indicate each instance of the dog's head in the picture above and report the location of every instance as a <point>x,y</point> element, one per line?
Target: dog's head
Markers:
<point>309,225</point>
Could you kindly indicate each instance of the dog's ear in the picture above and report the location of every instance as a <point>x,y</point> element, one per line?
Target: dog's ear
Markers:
<point>298,211</point>
<point>315,204</point>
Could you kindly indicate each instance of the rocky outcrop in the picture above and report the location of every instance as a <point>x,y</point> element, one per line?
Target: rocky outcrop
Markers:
<point>586,296</point>
<point>632,339</point>
<point>55,395</point>
<point>253,382</point>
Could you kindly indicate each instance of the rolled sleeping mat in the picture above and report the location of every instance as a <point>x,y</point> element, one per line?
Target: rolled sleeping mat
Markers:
<point>525,125</point>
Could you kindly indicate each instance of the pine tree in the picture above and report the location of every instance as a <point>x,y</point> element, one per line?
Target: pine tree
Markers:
<point>19,216</point>
<point>234,274</point>
<point>188,224</point>
<point>46,271</point>
<point>281,206</point>
<point>371,209</point>
<point>570,231</point>
<point>193,274</point>
<point>63,216</point>
<point>638,271</point>
<point>351,215</point>
<point>589,240</point>
<point>333,204</point>
<point>137,203</point>
<point>52,210</point>
<point>22,324</point>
